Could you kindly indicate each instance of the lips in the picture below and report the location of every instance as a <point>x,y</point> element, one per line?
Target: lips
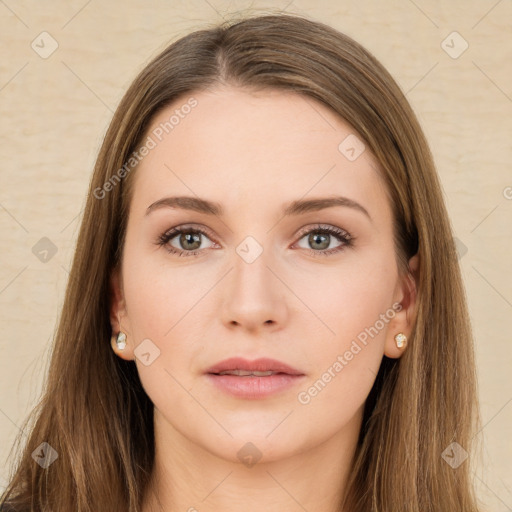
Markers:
<point>262,367</point>
<point>253,380</point>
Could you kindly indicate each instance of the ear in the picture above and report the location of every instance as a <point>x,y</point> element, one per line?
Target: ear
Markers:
<point>405,317</point>
<point>118,313</point>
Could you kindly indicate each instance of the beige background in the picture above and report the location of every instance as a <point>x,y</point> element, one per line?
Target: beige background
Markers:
<point>54,113</point>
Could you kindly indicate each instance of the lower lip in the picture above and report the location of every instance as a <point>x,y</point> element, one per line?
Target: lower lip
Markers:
<point>254,387</point>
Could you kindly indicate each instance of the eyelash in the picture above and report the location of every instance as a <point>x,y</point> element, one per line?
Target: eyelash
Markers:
<point>340,234</point>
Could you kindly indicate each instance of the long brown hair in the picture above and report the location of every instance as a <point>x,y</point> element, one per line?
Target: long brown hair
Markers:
<point>94,412</point>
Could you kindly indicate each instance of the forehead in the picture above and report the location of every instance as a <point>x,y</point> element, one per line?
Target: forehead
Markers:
<point>280,119</point>
<point>237,143</point>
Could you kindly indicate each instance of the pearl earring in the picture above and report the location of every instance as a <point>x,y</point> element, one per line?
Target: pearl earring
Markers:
<point>121,340</point>
<point>400,340</point>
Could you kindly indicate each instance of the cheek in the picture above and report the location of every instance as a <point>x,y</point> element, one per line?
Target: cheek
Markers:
<point>344,365</point>
<point>161,294</point>
<point>346,297</point>
<point>166,305</point>
<point>355,304</point>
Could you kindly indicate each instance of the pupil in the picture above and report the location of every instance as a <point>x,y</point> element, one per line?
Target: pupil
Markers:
<point>313,240</point>
<point>187,238</point>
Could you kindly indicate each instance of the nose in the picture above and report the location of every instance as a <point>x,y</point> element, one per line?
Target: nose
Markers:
<point>253,297</point>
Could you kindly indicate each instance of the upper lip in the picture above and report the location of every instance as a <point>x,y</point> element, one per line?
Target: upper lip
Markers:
<point>260,365</point>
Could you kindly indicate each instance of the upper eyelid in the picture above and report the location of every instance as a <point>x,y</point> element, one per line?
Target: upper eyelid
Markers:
<point>320,227</point>
<point>187,227</point>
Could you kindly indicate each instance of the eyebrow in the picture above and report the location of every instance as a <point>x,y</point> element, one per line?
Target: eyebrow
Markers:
<point>297,207</point>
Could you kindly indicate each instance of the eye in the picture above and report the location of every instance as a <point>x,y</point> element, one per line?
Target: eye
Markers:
<point>188,240</point>
<point>320,237</point>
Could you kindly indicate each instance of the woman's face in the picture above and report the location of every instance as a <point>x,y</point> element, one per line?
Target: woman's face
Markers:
<point>261,277</point>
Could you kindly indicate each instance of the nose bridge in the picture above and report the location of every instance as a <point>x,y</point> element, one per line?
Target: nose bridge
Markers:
<point>254,297</point>
<point>251,275</point>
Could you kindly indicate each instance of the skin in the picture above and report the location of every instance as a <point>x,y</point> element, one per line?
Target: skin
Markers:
<point>253,153</point>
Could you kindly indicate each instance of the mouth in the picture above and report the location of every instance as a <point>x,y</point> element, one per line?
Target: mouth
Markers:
<point>253,379</point>
<point>248,373</point>
<point>262,367</point>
